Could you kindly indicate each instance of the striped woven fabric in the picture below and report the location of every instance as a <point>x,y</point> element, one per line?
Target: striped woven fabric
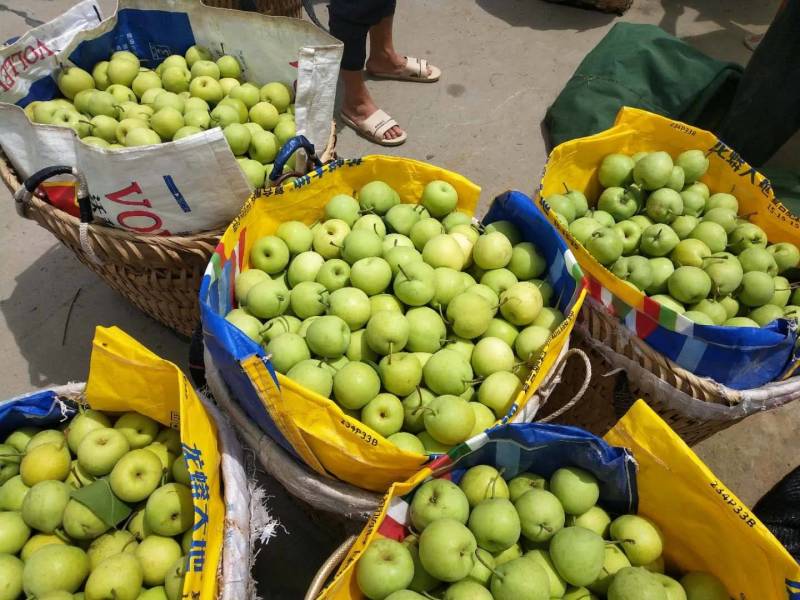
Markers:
<point>518,448</point>
<point>740,357</point>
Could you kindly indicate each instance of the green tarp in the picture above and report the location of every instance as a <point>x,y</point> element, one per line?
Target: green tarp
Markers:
<point>644,67</point>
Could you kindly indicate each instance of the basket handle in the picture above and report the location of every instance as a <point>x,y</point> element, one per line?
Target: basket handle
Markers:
<point>579,394</point>
<point>23,195</point>
<point>289,148</point>
<point>328,567</point>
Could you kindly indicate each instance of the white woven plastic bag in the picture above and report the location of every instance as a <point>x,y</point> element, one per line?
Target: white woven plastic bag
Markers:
<point>187,186</point>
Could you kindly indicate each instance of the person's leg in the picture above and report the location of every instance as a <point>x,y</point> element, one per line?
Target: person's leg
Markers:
<point>765,111</point>
<point>348,26</point>
<point>383,58</point>
<point>357,103</point>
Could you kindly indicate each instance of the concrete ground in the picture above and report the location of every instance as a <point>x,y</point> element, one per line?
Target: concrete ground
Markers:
<point>504,61</point>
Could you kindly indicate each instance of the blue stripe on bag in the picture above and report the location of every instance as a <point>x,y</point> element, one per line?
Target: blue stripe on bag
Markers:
<point>40,90</point>
<point>543,448</point>
<point>228,345</point>
<point>38,409</point>
<point>533,225</point>
<point>741,358</point>
<point>152,35</point>
<point>692,353</point>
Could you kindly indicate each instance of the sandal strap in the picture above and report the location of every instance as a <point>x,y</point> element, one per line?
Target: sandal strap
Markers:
<point>378,123</point>
<point>417,67</point>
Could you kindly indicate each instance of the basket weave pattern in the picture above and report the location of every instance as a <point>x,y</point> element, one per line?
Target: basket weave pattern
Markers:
<point>601,336</point>
<point>611,393</point>
<point>605,327</point>
<point>160,275</point>
<point>275,8</point>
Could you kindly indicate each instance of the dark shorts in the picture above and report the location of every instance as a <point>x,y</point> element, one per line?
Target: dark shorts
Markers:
<point>350,21</point>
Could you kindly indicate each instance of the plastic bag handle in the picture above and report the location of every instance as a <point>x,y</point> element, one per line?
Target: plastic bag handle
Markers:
<point>289,148</point>
<point>30,185</point>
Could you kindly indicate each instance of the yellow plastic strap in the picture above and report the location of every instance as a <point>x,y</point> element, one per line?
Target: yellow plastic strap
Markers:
<point>126,376</point>
<point>706,527</point>
<point>271,397</point>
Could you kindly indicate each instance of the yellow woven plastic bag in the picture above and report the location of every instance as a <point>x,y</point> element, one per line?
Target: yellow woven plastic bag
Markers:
<point>740,358</point>
<point>124,376</point>
<point>311,427</point>
<point>705,526</point>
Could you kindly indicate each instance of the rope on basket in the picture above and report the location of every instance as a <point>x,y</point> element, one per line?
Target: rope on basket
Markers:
<point>328,567</point>
<point>528,412</point>
<point>581,391</point>
<point>86,245</point>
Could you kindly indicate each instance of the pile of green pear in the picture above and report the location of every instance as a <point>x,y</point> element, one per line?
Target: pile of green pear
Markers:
<point>525,539</point>
<point>54,547</point>
<point>661,230</point>
<point>416,320</point>
<point>122,104</point>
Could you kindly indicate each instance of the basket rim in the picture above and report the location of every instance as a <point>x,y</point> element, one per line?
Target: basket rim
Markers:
<point>721,393</point>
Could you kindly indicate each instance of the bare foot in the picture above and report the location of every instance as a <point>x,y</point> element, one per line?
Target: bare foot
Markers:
<point>362,111</point>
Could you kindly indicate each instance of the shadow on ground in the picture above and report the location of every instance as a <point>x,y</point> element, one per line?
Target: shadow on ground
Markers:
<point>52,312</point>
<point>285,567</point>
<point>537,14</point>
<point>728,15</point>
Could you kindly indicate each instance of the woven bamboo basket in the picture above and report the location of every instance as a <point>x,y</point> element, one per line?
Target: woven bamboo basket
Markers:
<point>626,368</point>
<point>158,274</point>
<point>275,8</point>
<point>618,7</point>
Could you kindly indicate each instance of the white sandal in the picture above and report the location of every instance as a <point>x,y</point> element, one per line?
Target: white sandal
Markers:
<point>416,69</point>
<point>375,127</point>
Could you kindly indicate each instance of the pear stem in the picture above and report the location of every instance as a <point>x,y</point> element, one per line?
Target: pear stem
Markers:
<point>491,569</point>
<point>566,189</point>
<point>127,521</point>
<point>128,543</point>
<point>61,534</point>
<point>493,482</point>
